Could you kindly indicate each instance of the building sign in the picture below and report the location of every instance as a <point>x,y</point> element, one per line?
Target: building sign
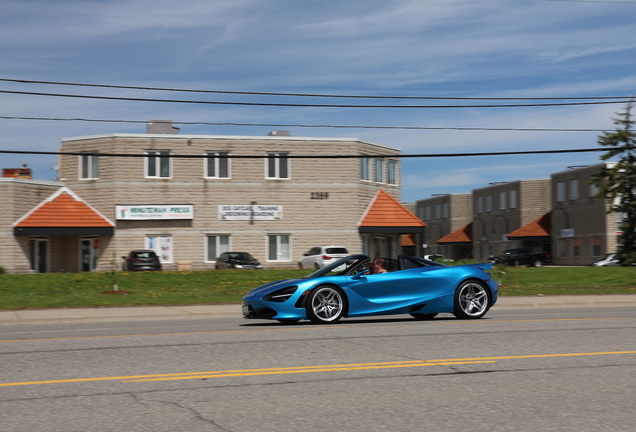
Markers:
<point>568,232</point>
<point>250,212</point>
<point>148,212</point>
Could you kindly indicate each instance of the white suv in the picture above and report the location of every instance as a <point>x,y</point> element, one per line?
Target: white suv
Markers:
<point>320,256</point>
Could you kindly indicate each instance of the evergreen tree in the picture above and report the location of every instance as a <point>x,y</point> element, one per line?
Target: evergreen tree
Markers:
<point>617,182</point>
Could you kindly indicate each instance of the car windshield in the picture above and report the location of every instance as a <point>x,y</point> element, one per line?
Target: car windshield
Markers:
<point>606,256</point>
<point>343,266</point>
<point>242,256</point>
<point>145,254</point>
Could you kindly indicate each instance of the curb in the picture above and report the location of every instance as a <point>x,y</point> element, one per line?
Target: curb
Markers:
<point>144,313</point>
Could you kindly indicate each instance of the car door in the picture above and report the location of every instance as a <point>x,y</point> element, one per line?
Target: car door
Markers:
<point>434,284</point>
<point>378,293</point>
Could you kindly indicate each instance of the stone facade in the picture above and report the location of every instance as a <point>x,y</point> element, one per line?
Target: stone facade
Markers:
<point>582,229</point>
<point>501,208</point>
<point>322,199</point>
<point>444,214</point>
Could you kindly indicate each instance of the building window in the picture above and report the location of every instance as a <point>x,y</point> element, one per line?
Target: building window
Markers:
<point>438,211</point>
<point>596,246</point>
<point>513,199</point>
<point>162,245</point>
<point>420,213</point>
<point>217,165</point>
<point>479,204</point>
<point>428,213</point>
<point>576,247</point>
<point>364,169</point>
<point>277,165</point>
<point>561,248</point>
<point>216,245</point>
<point>502,200</point>
<point>89,167</point>
<point>392,173</point>
<point>278,247</point>
<point>488,203</point>
<point>594,189</point>
<point>560,191</point>
<point>445,210</point>
<point>158,163</point>
<point>574,189</point>
<point>378,171</point>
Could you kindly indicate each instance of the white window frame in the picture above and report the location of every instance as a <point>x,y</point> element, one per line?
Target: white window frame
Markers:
<point>217,245</point>
<point>279,251</point>
<point>88,167</point>
<point>392,172</point>
<point>216,158</point>
<point>378,170</point>
<point>364,169</point>
<point>278,158</point>
<point>159,156</point>
<point>159,243</point>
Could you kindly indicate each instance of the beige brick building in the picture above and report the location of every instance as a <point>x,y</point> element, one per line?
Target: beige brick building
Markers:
<point>582,230</point>
<point>191,197</point>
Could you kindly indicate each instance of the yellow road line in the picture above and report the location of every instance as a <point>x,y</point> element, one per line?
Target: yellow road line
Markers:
<point>311,369</point>
<point>455,322</point>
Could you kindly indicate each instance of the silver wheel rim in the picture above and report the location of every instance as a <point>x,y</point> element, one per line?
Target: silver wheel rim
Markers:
<point>327,304</point>
<point>473,299</point>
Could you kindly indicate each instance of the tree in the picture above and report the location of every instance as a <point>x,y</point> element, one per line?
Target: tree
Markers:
<point>617,182</point>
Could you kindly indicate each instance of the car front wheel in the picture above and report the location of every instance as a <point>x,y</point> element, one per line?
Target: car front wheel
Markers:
<point>325,305</point>
<point>472,300</point>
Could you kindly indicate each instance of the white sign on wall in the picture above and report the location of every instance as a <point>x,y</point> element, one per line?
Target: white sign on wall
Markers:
<point>250,212</point>
<point>147,212</point>
<point>568,232</point>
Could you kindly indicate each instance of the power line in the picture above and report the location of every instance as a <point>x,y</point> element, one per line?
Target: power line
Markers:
<point>276,125</point>
<point>304,94</point>
<point>307,105</point>
<point>380,156</point>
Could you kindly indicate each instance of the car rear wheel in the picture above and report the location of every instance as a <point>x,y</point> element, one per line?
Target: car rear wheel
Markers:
<point>423,316</point>
<point>472,300</point>
<point>325,305</point>
<point>300,265</point>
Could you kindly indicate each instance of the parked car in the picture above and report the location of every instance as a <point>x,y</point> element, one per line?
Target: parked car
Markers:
<point>321,256</point>
<point>513,257</point>
<point>141,260</point>
<point>237,260</point>
<point>418,287</point>
<point>608,260</point>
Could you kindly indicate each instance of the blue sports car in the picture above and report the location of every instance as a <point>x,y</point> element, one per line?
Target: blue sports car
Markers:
<point>414,286</point>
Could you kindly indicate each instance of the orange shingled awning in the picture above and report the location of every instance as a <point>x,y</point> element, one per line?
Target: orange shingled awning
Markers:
<point>540,227</point>
<point>462,235</point>
<point>63,213</point>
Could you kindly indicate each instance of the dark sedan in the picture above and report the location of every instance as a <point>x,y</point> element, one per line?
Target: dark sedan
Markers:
<point>141,260</point>
<point>237,260</point>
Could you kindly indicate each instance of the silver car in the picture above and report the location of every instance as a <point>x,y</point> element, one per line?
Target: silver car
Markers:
<point>321,256</point>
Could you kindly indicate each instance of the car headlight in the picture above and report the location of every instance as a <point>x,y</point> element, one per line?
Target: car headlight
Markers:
<point>281,295</point>
<point>238,266</point>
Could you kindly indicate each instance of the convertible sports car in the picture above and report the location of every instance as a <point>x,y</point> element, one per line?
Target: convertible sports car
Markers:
<point>414,286</point>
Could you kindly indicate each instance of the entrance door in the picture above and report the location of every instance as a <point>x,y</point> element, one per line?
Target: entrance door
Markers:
<point>89,252</point>
<point>39,255</point>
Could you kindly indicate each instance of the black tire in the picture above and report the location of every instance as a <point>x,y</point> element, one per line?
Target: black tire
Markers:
<point>300,265</point>
<point>317,266</point>
<point>472,300</point>
<point>326,305</point>
<point>423,316</point>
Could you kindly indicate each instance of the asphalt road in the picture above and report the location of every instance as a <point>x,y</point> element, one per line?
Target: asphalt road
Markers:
<point>570,369</point>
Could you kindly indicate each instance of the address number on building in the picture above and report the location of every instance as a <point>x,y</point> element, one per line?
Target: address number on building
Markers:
<point>319,195</point>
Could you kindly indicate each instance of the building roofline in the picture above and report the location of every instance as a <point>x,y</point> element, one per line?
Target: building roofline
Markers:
<point>224,137</point>
<point>587,167</point>
<point>31,181</point>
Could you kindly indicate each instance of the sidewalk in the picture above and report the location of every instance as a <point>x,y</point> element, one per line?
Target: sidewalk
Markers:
<point>47,316</point>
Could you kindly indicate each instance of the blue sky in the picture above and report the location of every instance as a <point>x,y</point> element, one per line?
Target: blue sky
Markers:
<point>435,48</point>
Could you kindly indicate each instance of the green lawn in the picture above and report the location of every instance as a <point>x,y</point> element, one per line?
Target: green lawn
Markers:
<point>56,290</point>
